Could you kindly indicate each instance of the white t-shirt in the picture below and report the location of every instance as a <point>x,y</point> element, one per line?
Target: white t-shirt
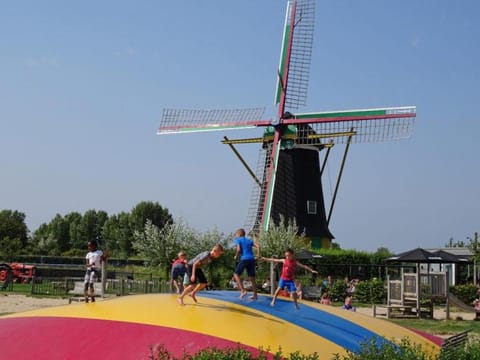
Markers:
<point>95,258</point>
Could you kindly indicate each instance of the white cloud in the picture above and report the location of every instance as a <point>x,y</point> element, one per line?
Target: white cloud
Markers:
<point>42,61</point>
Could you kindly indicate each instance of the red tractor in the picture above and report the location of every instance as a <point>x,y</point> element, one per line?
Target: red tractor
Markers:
<point>16,272</point>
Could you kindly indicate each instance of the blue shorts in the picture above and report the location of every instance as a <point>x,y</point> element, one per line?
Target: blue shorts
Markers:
<point>246,264</point>
<point>289,284</point>
<point>178,270</point>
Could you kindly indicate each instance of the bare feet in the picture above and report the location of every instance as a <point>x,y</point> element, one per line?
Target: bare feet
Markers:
<point>242,294</point>
<point>272,303</point>
<point>180,301</point>
<point>253,297</point>
<point>192,295</point>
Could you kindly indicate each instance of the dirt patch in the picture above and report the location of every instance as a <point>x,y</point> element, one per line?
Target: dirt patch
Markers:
<point>19,303</point>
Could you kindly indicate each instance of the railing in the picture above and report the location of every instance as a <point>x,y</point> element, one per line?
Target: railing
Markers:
<point>74,286</point>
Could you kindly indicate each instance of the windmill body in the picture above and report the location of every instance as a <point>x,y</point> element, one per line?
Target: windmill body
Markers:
<point>288,178</point>
<point>298,194</point>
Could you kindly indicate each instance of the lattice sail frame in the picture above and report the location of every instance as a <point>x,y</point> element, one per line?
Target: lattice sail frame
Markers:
<point>366,126</point>
<point>298,59</point>
<point>176,121</point>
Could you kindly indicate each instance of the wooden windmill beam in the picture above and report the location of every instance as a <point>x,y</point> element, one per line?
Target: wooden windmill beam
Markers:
<point>329,148</point>
<point>339,177</point>
<point>244,163</point>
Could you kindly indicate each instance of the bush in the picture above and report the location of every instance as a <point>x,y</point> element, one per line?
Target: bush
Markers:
<point>371,291</point>
<point>160,352</point>
<point>466,293</point>
<point>338,291</point>
<point>471,352</point>
<point>370,350</point>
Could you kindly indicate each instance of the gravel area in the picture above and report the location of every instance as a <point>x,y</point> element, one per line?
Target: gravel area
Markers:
<point>18,303</point>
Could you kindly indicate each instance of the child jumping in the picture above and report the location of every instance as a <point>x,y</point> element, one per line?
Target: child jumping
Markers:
<point>179,268</point>
<point>195,280</point>
<point>244,248</point>
<point>287,279</point>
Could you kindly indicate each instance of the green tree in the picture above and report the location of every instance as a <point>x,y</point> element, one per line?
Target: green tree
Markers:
<point>148,210</point>
<point>10,248</point>
<point>451,243</point>
<point>41,243</point>
<point>91,225</point>
<point>382,253</point>
<point>117,235</point>
<point>279,237</point>
<point>74,220</point>
<point>12,226</point>
<point>159,246</point>
<point>60,232</point>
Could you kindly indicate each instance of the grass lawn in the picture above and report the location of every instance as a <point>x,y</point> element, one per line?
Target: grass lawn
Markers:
<point>440,327</point>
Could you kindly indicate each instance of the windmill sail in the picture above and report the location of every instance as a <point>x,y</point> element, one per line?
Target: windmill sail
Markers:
<point>175,121</point>
<point>298,56</point>
<point>369,125</point>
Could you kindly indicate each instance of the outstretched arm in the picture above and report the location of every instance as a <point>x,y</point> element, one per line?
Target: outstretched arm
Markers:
<point>273,260</point>
<point>307,268</point>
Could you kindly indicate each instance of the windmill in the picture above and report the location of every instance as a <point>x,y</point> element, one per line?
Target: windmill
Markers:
<point>288,178</point>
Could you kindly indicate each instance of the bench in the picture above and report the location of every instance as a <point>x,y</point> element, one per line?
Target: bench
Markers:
<point>79,291</point>
<point>453,344</point>
<point>313,293</point>
<point>394,309</point>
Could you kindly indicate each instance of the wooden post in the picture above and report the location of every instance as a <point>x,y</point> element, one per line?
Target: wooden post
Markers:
<point>388,290</point>
<point>418,290</point>
<point>273,283</point>
<point>104,277</point>
<point>447,292</point>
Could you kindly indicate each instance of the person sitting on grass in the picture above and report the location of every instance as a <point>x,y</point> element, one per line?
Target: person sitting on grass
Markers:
<point>325,299</point>
<point>348,304</point>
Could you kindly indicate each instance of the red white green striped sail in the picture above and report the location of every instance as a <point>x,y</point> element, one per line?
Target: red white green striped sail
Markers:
<point>176,121</point>
<point>296,54</point>
<point>283,54</point>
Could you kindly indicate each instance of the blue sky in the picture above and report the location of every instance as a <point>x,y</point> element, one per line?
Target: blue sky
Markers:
<point>83,85</point>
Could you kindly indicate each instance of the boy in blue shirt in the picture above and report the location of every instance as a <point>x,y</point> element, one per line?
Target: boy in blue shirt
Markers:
<point>244,249</point>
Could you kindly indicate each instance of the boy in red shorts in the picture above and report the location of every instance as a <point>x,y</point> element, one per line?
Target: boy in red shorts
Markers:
<point>287,279</point>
